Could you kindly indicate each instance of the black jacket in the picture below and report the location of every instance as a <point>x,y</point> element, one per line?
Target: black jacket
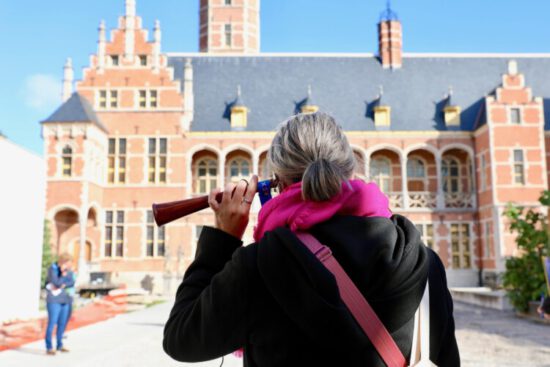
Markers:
<point>275,299</point>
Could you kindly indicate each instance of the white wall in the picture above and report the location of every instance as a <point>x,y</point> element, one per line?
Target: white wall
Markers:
<point>22,206</point>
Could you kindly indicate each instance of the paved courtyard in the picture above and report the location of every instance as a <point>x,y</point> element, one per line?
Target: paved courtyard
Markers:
<point>486,338</point>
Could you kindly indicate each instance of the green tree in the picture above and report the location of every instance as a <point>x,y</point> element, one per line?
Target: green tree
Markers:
<point>47,257</point>
<point>524,276</point>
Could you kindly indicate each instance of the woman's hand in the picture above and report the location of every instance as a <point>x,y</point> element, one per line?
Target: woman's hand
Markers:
<point>233,212</point>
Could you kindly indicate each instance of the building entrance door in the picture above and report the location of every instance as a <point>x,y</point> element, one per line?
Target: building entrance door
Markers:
<point>76,253</point>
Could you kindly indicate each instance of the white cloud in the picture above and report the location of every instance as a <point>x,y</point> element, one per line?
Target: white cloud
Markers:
<point>42,92</point>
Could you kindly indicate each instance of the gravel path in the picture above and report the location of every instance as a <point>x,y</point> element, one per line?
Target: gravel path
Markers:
<point>496,338</point>
<point>486,338</point>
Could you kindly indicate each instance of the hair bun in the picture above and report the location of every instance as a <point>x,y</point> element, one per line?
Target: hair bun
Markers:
<point>321,181</point>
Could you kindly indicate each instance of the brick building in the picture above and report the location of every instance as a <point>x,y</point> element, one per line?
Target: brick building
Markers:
<point>450,138</point>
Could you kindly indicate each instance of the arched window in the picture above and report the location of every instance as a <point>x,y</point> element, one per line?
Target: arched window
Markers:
<point>206,174</point>
<point>416,174</point>
<point>380,173</point>
<point>239,168</point>
<point>450,173</point>
<point>67,161</point>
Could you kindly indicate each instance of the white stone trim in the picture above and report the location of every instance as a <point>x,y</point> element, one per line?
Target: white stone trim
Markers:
<point>371,150</point>
<point>60,207</point>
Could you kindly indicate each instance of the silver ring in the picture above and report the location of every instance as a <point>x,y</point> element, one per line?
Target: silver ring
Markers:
<point>246,201</point>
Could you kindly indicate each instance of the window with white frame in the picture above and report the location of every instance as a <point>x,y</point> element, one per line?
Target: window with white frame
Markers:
<point>148,98</point>
<point>143,60</point>
<point>116,172</point>
<point>416,174</point>
<point>67,161</point>
<point>156,237</point>
<point>206,175</point>
<point>114,233</point>
<point>380,172</point>
<point>157,160</point>
<point>107,99</point>
<point>114,60</point>
<point>238,169</point>
<point>227,32</point>
<point>519,167</point>
<point>460,245</point>
<point>426,233</point>
<point>450,174</point>
<point>515,116</point>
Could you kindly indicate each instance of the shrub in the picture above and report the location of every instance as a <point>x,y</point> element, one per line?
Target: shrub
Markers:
<point>47,257</point>
<point>524,276</point>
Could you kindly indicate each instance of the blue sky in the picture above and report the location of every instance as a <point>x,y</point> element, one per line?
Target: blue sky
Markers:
<point>37,36</point>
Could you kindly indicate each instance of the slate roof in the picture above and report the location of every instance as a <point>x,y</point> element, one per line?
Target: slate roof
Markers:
<point>76,109</point>
<point>347,87</point>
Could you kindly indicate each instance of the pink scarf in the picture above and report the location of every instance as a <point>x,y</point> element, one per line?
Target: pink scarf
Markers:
<point>356,198</point>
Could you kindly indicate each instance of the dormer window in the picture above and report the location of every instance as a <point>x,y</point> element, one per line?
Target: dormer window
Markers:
<point>309,106</point>
<point>239,113</point>
<point>239,117</point>
<point>382,116</point>
<point>382,111</point>
<point>114,60</point>
<point>515,116</point>
<point>451,111</point>
<point>143,60</point>
<point>452,115</point>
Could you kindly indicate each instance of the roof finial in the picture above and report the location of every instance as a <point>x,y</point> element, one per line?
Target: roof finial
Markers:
<point>388,14</point>
<point>512,67</point>
<point>130,8</point>
<point>380,90</point>
<point>450,93</point>
<point>238,101</point>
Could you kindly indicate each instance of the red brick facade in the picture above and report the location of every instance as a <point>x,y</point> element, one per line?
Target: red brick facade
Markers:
<point>457,182</point>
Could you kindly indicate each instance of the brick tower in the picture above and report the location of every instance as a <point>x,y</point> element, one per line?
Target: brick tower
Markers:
<point>230,26</point>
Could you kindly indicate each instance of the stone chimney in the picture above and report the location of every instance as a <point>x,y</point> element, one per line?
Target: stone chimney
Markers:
<point>390,39</point>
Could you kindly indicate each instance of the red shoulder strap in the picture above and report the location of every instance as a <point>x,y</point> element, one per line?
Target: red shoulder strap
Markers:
<point>357,304</point>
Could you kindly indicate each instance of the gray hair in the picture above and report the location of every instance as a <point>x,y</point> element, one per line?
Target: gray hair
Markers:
<point>313,149</point>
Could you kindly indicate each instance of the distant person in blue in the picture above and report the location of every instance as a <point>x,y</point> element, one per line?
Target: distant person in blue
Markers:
<point>544,309</point>
<point>60,277</point>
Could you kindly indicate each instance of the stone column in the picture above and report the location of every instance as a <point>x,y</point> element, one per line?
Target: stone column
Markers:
<point>440,194</point>
<point>404,187</point>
